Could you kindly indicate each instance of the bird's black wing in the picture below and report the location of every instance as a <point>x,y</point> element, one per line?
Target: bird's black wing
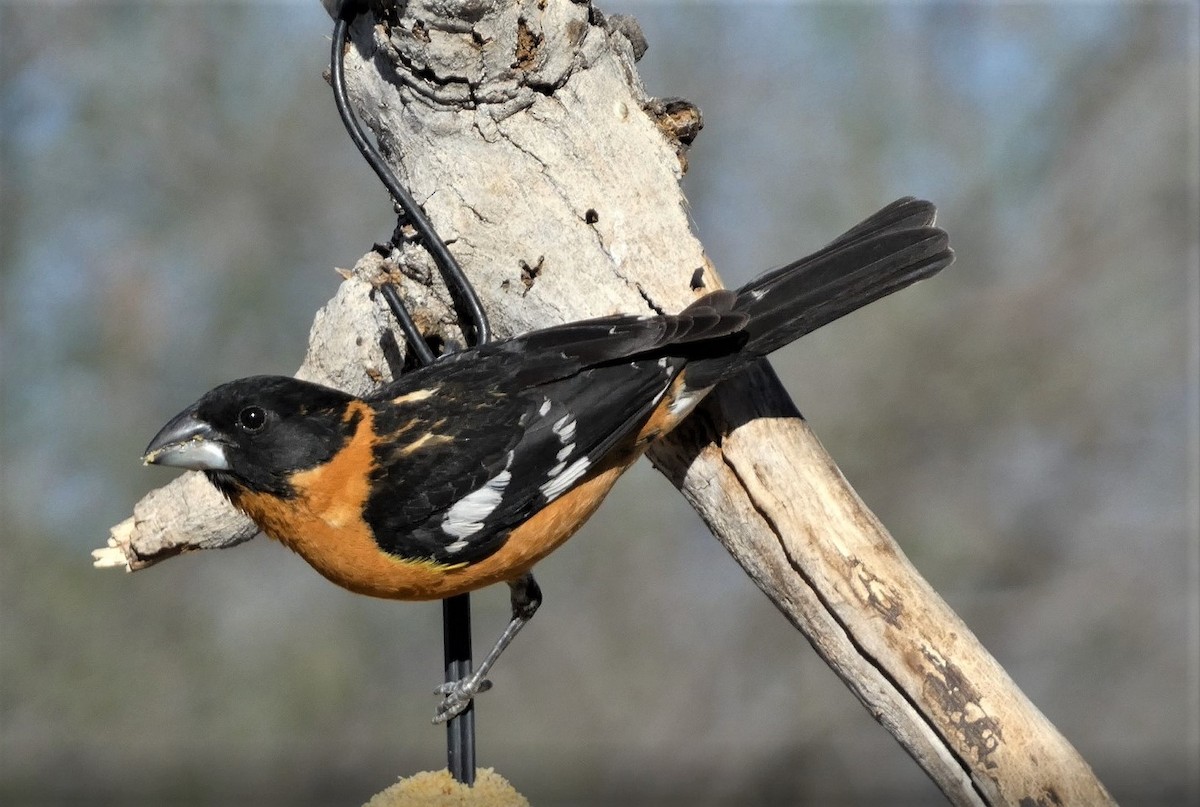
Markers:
<point>484,439</point>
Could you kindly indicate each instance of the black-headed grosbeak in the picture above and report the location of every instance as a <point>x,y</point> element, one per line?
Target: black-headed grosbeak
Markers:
<point>469,471</point>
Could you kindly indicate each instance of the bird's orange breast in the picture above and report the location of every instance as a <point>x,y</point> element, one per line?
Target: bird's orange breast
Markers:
<point>324,523</point>
<point>341,547</point>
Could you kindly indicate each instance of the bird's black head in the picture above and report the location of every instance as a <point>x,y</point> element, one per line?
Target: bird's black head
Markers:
<point>254,433</point>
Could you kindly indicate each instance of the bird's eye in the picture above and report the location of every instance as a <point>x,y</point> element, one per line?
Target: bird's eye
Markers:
<point>252,419</point>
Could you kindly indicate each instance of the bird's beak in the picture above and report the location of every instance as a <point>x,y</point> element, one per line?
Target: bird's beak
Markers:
<point>187,442</point>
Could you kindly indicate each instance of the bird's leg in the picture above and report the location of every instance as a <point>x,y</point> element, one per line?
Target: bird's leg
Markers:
<point>525,598</point>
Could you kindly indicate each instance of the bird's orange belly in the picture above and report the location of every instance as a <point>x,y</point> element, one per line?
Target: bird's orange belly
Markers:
<point>345,552</point>
<point>326,527</point>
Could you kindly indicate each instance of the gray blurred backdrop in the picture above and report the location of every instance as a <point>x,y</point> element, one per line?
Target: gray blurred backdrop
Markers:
<point>176,191</point>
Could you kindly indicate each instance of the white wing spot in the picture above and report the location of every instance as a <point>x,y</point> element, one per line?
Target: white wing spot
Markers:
<point>416,395</point>
<point>564,427</point>
<point>565,477</point>
<point>544,408</point>
<point>457,546</point>
<point>466,517</point>
<point>564,452</point>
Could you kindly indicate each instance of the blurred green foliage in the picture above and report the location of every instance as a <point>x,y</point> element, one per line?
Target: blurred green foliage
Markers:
<point>175,190</point>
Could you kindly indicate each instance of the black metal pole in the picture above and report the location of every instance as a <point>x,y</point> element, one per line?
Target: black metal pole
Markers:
<point>456,611</point>
<point>460,730</point>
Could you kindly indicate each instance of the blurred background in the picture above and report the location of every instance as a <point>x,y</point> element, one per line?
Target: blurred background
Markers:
<point>175,191</point>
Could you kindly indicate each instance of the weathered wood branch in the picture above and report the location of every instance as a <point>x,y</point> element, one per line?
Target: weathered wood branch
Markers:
<point>523,128</point>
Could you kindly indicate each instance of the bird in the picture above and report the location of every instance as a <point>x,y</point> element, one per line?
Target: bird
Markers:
<point>468,471</point>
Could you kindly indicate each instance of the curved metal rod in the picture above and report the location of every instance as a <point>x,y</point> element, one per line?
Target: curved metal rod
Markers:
<point>411,333</point>
<point>456,280</point>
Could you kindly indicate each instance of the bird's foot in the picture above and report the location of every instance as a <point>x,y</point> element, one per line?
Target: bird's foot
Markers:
<point>456,695</point>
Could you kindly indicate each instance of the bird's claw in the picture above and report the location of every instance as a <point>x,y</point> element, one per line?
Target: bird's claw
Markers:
<point>456,695</point>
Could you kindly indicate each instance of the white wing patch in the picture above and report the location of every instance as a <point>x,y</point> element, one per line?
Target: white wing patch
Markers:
<point>466,517</point>
<point>416,395</point>
<point>564,427</point>
<point>562,476</point>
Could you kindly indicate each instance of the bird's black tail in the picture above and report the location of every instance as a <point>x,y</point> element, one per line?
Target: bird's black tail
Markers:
<point>897,246</point>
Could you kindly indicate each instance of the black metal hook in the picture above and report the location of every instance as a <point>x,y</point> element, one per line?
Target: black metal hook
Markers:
<point>456,280</point>
<point>456,611</point>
